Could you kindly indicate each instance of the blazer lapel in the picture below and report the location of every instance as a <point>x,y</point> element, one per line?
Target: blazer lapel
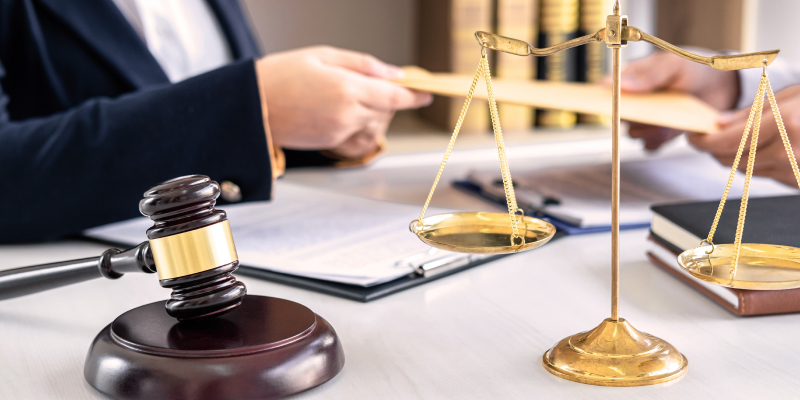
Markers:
<point>103,27</point>
<point>236,28</point>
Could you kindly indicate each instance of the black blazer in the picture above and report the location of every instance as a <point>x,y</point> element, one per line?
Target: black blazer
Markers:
<point>89,120</point>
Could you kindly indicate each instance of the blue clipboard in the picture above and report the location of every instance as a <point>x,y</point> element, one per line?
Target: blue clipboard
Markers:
<point>561,226</point>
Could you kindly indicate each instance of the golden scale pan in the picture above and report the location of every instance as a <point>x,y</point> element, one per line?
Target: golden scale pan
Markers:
<point>479,231</point>
<point>753,266</point>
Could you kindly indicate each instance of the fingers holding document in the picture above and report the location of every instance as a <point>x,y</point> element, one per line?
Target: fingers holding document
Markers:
<point>378,99</point>
<point>664,71</point>
<point>364,142</point>
<point>771,158</point>
<point>324,98</point>
<point>370,79</point>
<point>720,89</point>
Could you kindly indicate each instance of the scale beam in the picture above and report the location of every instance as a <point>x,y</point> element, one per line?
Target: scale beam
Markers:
<point>522,48</point>
<point>731,62</point>
<point>629,33</point>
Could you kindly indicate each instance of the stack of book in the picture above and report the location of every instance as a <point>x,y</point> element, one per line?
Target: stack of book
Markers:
<point>679,227</point>
<point>517,19</point>
<point>593,61</point>
<point>446,43</point>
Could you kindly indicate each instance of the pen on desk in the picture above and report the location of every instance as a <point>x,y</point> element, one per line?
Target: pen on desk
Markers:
<point>432,262</point>
<point>408,261</point>
<point>412,262</point>
<point>443,264</point>
<point>529,197</point>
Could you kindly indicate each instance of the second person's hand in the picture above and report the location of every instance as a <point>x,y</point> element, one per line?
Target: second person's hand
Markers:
<point>323,98</point>
<point>771,158</point>
<point>666,71</point>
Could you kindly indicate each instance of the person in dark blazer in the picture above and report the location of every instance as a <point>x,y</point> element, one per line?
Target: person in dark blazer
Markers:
<point>92,113</point>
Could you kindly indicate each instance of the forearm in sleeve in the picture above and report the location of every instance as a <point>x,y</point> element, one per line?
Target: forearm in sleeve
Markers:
<point>91,164</point>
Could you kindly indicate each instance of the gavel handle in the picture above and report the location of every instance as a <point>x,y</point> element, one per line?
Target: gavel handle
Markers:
<point>112,264</point>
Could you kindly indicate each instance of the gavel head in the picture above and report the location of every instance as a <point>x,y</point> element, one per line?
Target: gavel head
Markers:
<point>192,247</point>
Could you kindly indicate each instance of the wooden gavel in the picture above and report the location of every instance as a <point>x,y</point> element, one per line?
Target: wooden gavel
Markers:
<point>190,246</point>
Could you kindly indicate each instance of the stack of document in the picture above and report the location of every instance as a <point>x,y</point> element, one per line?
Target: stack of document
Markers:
<point>318,234</point>
<point>578,199</point>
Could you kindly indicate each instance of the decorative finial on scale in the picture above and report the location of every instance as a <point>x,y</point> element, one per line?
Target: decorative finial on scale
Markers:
<point>616,7</point>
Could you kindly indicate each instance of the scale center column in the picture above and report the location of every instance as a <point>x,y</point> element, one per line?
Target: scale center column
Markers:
<point>616,49</point>
<point>614,353</point>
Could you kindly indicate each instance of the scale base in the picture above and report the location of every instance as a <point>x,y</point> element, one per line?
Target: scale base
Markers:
<point>266,348</point>
<point>615,354</point>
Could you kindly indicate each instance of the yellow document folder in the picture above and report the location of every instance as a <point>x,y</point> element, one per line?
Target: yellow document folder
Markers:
<point>670,109</point>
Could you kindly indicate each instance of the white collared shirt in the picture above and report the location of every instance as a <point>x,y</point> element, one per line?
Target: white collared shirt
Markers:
<point>184,36</point>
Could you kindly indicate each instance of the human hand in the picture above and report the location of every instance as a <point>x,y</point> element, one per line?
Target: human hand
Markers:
<point>771,159</point>
<point>323,98</point>
<point>667,71</point>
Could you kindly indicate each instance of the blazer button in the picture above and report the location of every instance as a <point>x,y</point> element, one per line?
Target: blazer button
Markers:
<point>230,192</point>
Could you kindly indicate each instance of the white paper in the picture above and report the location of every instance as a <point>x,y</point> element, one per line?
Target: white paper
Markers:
<point>316,234</point>
<point>584,192</point>
<point>668,258</point>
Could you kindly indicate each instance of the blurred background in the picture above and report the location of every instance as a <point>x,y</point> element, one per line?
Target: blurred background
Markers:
<point>437,35</point>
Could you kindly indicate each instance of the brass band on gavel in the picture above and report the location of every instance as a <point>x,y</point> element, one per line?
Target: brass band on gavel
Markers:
<point>194,251</point>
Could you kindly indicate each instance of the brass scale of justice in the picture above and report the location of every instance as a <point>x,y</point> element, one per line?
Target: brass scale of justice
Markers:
<point>614,353</point>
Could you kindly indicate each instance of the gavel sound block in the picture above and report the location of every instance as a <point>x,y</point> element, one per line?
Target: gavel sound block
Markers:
<point>224,344</point>
<point>209,340</point>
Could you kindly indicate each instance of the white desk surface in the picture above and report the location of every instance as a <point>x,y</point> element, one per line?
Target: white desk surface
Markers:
<point>477,334</point>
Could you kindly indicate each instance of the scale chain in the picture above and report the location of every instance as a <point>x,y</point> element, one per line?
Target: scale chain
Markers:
<point>735,166</point>
<point>483,69</point>
<point>508,185</point>
<point>754,122</point>
<point>748,176</point>
<point>784,136</point>
<point>453,138</point>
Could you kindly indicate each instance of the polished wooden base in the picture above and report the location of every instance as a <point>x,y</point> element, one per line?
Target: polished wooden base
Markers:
<point>266,348</point>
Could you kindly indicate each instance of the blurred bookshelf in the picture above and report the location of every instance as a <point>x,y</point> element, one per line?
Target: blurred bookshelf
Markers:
<point>409,133</point>
<point>737,25</point>
<point>437,35</point>
<point>711,24</point>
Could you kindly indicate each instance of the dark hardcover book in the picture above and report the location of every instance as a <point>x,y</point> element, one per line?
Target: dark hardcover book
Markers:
<point>773,220</point>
